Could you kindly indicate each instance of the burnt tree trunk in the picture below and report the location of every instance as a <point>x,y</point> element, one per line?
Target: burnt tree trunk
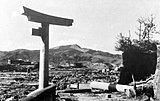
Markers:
<point>139,64</point>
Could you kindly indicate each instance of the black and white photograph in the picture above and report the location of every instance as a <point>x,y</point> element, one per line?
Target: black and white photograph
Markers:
<point>79,50</point>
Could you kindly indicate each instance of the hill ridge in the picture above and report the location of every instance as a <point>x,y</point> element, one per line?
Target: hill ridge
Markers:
<point>65,53</point>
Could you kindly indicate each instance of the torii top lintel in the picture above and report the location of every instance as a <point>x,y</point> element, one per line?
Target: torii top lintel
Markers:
<point>35,16</point>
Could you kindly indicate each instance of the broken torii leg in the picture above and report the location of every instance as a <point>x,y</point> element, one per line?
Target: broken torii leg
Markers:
<point>112,87</point>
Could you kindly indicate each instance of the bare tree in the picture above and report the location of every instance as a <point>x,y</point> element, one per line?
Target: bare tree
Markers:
<point>147,28</point>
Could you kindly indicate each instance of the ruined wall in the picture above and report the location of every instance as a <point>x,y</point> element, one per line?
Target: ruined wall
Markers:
<point>140,64</point>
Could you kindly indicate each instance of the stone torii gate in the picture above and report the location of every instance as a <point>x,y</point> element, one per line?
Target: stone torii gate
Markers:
<point>43,32</point>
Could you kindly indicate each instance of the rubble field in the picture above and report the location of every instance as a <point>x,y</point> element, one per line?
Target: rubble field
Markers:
<point>19,84</point>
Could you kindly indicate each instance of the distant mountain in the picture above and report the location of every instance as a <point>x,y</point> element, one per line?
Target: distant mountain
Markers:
<point>67,53</point>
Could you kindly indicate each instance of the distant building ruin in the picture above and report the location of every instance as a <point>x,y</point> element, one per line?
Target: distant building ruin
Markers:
<point>19,62</point>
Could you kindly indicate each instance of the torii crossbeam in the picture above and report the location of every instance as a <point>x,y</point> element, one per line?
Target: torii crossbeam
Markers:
<point>43,32</point>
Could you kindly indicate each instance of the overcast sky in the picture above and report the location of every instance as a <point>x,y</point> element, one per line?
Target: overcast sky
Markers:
<point>96,22</point>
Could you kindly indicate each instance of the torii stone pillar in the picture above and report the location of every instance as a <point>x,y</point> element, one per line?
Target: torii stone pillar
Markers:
<point>43,32</point>
<point>43,71</point>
